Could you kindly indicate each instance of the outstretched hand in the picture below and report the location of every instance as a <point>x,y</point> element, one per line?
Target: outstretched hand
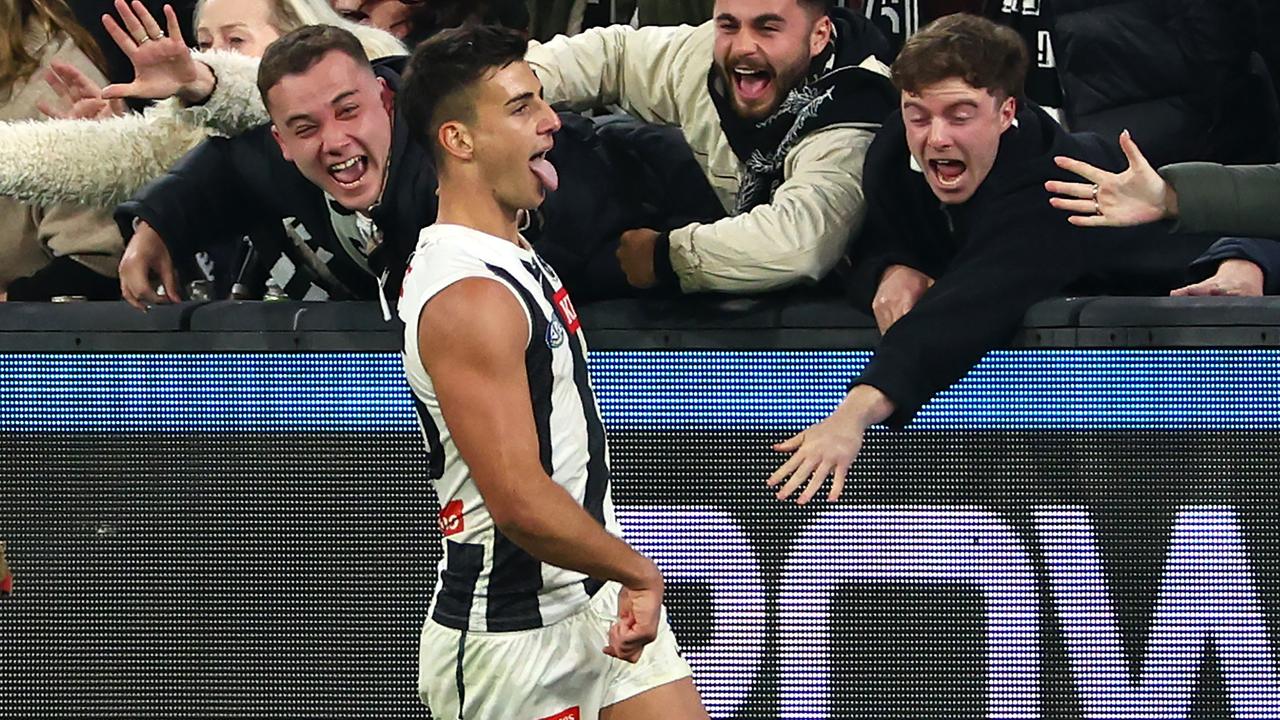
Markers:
<point>828,448</point>
<point>80,95</point>
<point>818,452</point>
<point>162,62</point>
<point>1134,197</point>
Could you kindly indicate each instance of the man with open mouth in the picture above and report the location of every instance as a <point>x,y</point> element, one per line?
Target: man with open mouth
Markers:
<point>779,100</point>
<point>956,193</point>
<point>334,156</point>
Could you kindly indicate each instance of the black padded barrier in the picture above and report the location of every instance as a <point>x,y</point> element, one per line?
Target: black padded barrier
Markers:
<point>685,323</point>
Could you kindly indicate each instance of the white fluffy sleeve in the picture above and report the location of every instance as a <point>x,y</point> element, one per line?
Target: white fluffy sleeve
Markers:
<point>99,163</point>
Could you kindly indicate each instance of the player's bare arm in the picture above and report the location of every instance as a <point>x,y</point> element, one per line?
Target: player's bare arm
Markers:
<point>473,337</point>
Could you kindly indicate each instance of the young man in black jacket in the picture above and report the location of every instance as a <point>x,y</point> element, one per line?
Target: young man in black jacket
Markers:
<point>955,191</point>
<point>334,157</point>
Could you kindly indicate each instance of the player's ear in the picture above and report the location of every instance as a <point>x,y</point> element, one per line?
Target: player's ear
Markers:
<point>456,140</point>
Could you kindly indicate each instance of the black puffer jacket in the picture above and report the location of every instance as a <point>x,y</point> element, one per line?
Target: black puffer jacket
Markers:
<point>227,187</point>
<point>1176,73</point>
<point>617,173</point>
<point>994,255</point>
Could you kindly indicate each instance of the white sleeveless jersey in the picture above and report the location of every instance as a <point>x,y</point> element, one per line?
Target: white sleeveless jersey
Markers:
<point>486,583</point>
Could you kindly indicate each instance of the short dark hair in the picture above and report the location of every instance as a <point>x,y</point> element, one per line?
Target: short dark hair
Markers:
<point>444,67</point>
<point>822,6</point>
<point>983,53</point>
<point>296,51</point>
<point>429,18</point>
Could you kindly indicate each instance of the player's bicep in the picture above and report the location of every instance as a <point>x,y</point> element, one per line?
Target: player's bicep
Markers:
<point>472,338</point>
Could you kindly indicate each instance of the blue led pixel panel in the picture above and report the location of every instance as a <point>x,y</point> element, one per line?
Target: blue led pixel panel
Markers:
<point>1064,534</point>
<point>216,393</point>
<point>1049,389</point>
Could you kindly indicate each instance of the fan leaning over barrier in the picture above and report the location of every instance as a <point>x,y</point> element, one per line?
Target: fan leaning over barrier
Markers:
<point>961,239</point>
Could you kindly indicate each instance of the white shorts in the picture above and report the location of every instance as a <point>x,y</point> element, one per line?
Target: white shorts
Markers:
<point>541,673</point>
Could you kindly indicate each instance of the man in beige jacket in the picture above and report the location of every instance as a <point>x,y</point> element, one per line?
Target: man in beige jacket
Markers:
<point>779,100</point>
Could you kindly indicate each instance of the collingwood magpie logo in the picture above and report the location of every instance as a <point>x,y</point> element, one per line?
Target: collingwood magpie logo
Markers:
<point>555,333</point>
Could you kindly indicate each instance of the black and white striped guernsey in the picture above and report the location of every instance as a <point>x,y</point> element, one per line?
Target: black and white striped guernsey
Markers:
<point>486,583</point>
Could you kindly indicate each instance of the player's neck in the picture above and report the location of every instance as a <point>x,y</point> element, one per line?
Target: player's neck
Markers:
<point>476,208</point>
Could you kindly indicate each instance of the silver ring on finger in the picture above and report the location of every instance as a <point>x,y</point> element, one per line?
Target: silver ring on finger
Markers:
<point>1097,209</point>
<point>1095,192</point>
<point>144,39</point>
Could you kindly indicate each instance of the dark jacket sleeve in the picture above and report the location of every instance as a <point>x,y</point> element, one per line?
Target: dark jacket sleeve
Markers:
<point>213,195</point>
<point>64,276</point>
<point>881,243</point>
<point>1018,254</point>
<point>1261,252</point>
<point>1226,200</point>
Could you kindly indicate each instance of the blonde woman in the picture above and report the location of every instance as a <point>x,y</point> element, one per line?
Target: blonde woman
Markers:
<point>55,249</point>
<point>105,160</point>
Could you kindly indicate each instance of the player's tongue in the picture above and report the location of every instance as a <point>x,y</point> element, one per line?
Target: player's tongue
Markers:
<point>546,172</point>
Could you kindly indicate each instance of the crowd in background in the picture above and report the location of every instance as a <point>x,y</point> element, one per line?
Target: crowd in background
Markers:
<point>942,165</point>
<point>670,185</point>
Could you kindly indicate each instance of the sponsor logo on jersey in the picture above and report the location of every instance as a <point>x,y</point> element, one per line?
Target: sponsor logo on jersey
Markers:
<point>564,306</point>
<point>571,714</point>
<point>451,518</point>
<point>555,333</point>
